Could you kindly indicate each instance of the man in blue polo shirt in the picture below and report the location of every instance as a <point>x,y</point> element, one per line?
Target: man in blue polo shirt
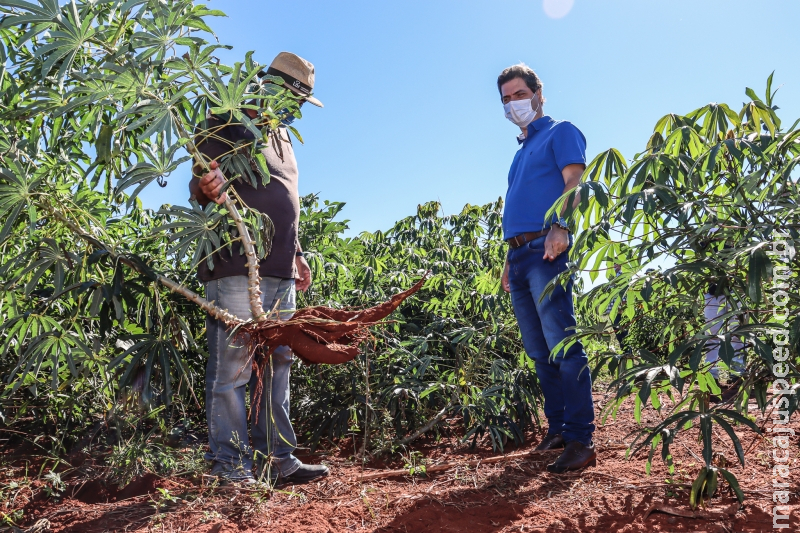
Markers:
<point>550,161</point>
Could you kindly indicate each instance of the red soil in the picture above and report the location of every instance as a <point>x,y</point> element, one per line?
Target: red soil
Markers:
<point>513,496</point>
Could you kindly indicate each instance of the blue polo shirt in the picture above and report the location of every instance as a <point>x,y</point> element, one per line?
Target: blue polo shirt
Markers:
<point>535,181</point>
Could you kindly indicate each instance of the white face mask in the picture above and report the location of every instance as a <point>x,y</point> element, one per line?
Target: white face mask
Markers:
<point>520,112</point>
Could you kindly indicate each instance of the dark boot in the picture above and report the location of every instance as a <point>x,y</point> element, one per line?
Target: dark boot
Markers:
<point>304,474</point>
<point>728,391</point>
<point>731,389</point>
<point>575,457</point>
<point>551,441</point>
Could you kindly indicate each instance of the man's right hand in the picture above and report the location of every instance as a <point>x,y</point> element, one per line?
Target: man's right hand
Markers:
<point>506,286</point>
<point>212,183</point>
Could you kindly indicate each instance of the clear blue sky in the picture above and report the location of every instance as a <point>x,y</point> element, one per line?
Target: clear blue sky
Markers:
<point>412,112</point>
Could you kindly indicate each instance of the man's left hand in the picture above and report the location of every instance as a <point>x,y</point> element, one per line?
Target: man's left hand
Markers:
<point>302,280</point>
<point>556,242</point>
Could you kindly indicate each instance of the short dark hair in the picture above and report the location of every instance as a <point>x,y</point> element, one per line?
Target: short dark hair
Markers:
<point>522,71</point>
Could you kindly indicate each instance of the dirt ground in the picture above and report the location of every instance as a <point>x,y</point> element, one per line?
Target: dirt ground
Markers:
<point>513,495</point>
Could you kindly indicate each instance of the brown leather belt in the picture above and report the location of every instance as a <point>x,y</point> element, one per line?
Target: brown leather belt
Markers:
<point>519,240</point>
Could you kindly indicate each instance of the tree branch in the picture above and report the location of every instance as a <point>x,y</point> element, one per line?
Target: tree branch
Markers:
<point>209,307</point>
<point>382,474</point>
<point>427,427</point>
<point>253,279</point>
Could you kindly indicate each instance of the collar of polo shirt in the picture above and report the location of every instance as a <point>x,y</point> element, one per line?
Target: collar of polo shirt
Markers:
<point>537,124</point>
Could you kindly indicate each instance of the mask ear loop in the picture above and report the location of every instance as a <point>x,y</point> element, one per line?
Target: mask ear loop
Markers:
<point>539,107</point>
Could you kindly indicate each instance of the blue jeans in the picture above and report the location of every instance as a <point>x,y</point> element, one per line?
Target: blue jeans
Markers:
<point>714,307</point>
<point>565,379</point>
<point>229,372</point>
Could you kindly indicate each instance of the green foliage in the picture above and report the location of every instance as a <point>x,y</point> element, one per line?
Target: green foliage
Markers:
<point>711,204</point>
<point>142,454</point>
<point>454,346</point>
<point>99,100</point>
<point>647,332</point>
<point>415,463</point>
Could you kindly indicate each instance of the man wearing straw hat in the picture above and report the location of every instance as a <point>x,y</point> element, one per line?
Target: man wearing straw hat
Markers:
<point>282,272</point>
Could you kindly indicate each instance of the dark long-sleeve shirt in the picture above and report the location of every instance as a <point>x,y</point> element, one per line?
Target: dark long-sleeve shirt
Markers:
<point>279,200</point>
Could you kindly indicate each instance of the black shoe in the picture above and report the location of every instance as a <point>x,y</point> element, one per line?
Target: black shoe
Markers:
<point>731,389</point>
<point>728,391</point>
<point>575,456</point>
<point>304,474</point>
<point>551,441</point>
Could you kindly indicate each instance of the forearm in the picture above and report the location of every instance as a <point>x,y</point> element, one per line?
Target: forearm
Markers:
<point>568,187</point>
<point>572,178</point>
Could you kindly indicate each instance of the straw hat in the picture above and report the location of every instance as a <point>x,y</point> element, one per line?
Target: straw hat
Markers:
<point>297,74</point>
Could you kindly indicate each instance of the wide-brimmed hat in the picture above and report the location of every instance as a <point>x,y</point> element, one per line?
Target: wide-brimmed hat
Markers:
<point>297,74</point>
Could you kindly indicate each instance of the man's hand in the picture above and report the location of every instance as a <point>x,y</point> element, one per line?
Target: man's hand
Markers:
<point>504,282</point>
<point>212,183</point>
<point>303,279</point>
<point>558,239</point>
<point>555,243</point>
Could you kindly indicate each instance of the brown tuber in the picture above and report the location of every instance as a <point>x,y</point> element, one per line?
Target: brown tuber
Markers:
<point>320,335</point>
<point>317,335</point>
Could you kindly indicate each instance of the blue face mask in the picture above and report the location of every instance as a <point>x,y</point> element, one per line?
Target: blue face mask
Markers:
<point>288,119</point>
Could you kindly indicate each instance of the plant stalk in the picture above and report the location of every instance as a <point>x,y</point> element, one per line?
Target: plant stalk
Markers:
<point>209,307</point>
<point>366,408</point>
<point>427,427</point>
<point>253,278</point>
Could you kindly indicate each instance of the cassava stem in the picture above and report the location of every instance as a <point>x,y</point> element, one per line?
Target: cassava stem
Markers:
<point>253,279</point>
<point>209,307</point>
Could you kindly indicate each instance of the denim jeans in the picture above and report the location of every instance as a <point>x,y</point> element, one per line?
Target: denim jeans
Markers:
<point>714,307</point>
<point>565,378</point>
<point>229,371</point>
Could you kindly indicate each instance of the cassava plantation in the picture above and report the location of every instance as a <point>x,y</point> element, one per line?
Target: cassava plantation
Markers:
<point>430,423</point>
